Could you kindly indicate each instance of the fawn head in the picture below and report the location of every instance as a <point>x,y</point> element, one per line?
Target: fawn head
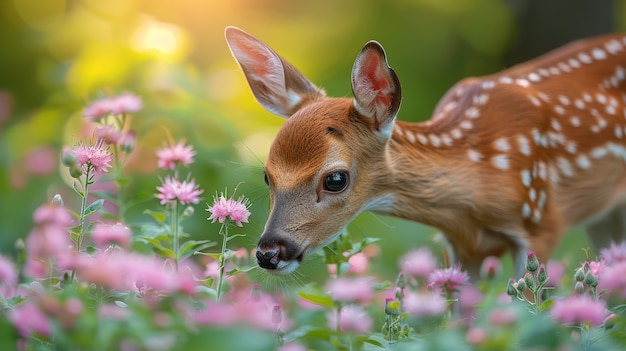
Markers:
<point>327,163</point>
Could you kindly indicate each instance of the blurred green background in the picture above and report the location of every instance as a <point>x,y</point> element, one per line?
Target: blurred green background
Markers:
<point>57,55</point>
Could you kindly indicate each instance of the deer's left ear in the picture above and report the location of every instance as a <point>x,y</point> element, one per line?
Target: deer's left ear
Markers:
<point>376,88</point>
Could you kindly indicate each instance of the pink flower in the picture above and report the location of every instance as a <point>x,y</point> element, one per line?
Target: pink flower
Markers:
<point>353,319</point>
<point>424,304</point>
<point>579,309</point>
<point>490,267</point>
<point>170,157</point>
<point>503,316</point>
<point>29,320</point>
<point>418,263</point>
<point>118,105</point>
<point>450,278</point>
<point>108,134</point>
<point>352,290</point>
<point>54,215</point>
<point>222,209</point>
<point>292,346</point>
<point>98,109</point>
<point>8,278</point>
<point>123,271</point>
<point>125,103</point>
<point>104,235</point>
<point>556,271</point>
<point>96,156</point>
<point>615,253</point>
<point>186,192</point>
<point>48,240</point>
<point>613,279</point>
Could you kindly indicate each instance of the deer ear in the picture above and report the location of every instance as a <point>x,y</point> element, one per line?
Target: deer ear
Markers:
<point>376,88</point>
<point>275,83</point>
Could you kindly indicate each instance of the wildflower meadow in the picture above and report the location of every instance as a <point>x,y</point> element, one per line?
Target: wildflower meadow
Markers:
<point>90,278</point>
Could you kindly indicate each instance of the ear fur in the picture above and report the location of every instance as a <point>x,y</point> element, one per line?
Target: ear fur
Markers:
<point>276,84</point>
<point>376,88</point>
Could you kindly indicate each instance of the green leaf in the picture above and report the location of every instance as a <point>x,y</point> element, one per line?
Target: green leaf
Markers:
<point>93,207</point>
<point>230,237</point>
<point>90,249</point>
<point>158,216</point>
<point>241,270</point>
<point>121,304</point>
<point>382,286</point>
<point>316,296</point>
<point>78,191</point>
<point>216,256</point>
<point>196,245</point>
<point>122,181</point>
<point>546,305</point>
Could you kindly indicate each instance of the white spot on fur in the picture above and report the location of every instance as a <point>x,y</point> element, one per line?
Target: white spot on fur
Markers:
<point>599,152</point>
<point>584,58</point>
<point>564,166</point>
<point>583,162</point>
<point>472,112</point>
<point>579,104</point>
<point>555,125</point>
<point>466,125</point>
<point>532,194</point>
<point>559,109</point>
<point>534,77</point>
<point>526,210</point>
<point>523,145</point>
<point>500,162</point>
<point>410,136</point>
<point>574,121</point>
<point>534,100</point>
<point>434,140</point>
<point>598,54</point>
<point>564,100</point>
<point>474,155</point>
<point>501,144</point>
<point>506,80</point>
<point>613,47</point>
<point>574,63</point>
<point>541,202</point>
<point>422,139</point>
<point>536,216</point>
<point>526,178</point>
<point>481,99</point>
<point>522,83</point>
<point>456,133</point>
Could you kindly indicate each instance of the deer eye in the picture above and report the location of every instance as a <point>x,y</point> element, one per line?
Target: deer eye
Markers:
<point>336,181</point>
<point>265,178</point>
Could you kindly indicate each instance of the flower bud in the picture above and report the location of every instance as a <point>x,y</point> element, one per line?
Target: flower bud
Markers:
<point>530,281</point>
<point>401,281</point>
<point>490,267</point>
<point>392,307</point>
<point>57,200</point>
<point>521,285</point>
<point>277,316</point>
<point>609,321</point>
<point>532,263</point>
<point>68,158</point>
<point>399,294</point>
<point>579,276</point>
<point>128,143</point>
<point>542,276</point>
<point>590,280</point>
<point>511,288</point>
<point>75,171</point>
<point>579,288</point>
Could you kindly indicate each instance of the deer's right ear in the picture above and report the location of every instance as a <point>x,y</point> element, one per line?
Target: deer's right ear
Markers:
<point>376,88</point>
<point>275,83</point>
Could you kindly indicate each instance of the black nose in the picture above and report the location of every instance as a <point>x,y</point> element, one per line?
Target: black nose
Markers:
<point>267,258</point>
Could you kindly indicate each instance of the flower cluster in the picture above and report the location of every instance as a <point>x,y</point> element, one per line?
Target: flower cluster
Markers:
<point>172,189</point>
<point>235,210</point>
<point>121,104</point>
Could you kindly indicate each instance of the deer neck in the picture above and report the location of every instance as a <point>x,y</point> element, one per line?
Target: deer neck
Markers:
<point>429,176</point>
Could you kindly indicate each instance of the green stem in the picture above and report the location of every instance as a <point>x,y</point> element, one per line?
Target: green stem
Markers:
<point>83,206</point>
<point>174,227</point>
<point>220,277</point>
<point>120,183</point>
<point>338,320</point>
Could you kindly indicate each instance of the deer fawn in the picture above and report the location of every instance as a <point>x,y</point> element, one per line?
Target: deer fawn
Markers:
<point>508,161</point>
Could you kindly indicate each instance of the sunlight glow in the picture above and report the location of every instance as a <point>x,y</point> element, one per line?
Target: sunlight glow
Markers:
<point>161,37</point>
